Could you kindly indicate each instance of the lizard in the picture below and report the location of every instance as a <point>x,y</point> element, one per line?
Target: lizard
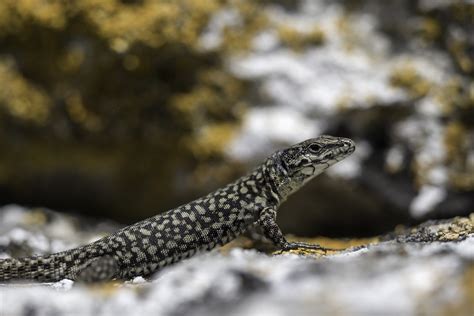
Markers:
<point>145,247</point>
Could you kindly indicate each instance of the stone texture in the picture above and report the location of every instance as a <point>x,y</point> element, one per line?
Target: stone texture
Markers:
<point>427,269</point>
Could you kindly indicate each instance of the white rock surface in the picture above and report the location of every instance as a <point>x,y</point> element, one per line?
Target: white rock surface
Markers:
<point>386,278</point>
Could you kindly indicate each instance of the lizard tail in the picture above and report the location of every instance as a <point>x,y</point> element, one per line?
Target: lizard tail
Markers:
<point>30,268</point>
<point>48,268</point>
<point>83,264</point>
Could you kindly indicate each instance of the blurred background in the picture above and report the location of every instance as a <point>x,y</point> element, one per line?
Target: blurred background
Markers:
<point>121,109</point>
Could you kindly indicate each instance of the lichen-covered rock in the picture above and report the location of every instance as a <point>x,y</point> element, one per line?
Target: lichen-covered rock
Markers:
<point>107,102</point>
<point>118,105</point>
<point>396,78</point>
<point>421,270</point>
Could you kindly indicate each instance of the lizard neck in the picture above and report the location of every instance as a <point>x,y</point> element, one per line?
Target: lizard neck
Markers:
<point>270,183</point>
<point>257,187</point>
<point>276,179</point>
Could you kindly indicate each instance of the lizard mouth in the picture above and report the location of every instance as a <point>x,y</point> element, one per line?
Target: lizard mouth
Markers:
<point>347,149</point>
<point>329,156</point>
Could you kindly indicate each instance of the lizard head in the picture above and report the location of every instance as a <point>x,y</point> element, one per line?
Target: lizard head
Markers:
<point>296,165</point>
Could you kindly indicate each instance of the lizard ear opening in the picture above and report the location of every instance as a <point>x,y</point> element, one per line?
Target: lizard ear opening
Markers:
<point>314,148</point>
<point>283,165</point>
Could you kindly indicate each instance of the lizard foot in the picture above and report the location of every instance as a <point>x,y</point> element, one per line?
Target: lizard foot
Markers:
<point>303,249</point>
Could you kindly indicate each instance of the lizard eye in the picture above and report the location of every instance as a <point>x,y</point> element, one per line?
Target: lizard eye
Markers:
<point>314,148</point>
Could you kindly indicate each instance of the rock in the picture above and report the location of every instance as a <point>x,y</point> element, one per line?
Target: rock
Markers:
<point>427,269</point>
<point>394,77</point>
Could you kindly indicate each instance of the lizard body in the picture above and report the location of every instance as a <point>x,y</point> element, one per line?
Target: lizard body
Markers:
<point>203,224</point>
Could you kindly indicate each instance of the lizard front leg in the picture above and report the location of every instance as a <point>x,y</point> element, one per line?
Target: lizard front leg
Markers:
<point>270,229</point>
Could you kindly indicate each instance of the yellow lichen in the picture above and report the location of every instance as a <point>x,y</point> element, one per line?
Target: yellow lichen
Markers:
<point>329,245</point>
<point>105,289</point>
<point>458,229</point>
<point>449,95</point>
<point>407,77</point>
<point>455,141</point>
<point>212,138</point>
<point>459,49</point>
<point>457,146</point>
<point>430,29</point>
<point>79,113</point>
<point>51,13</point>
<point>335,243</point>
<point>153,23</point>
<point>298,40</point>
<point>459,46</point>
<point>20,98</point>
<point>107,88</point>
<point>37,217</point>
<point>238,38</point>
<point>217,96</point>
<point>471,95</point>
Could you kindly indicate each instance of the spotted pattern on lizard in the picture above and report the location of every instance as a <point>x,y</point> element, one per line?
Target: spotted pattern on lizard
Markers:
<point>201,225</point>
